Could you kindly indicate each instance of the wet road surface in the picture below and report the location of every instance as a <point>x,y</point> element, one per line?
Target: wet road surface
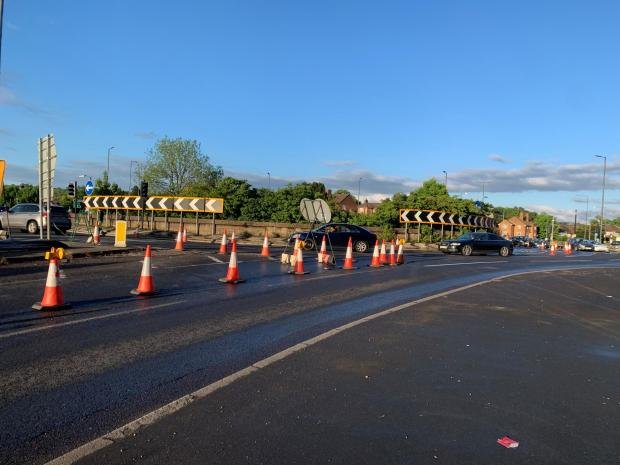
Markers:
<point>70,376</point>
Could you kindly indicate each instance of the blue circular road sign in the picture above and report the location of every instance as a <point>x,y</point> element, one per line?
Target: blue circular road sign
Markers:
<point>89,187</point>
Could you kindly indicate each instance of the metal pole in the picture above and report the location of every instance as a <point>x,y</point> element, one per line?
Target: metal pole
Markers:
<point>1,15</point>
<point>41,186</point>
<point>445,183</point>
<point>49,186</point>
<point>575,227</point>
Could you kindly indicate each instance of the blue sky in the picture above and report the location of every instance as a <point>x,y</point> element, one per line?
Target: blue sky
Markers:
<point>518,96</point>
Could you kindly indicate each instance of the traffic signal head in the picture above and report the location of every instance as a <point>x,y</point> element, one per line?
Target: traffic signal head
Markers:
<point>71,190</point>
<point>144,189</point>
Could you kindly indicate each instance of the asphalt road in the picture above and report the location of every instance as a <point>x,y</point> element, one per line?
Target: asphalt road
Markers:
<point>68,377</point>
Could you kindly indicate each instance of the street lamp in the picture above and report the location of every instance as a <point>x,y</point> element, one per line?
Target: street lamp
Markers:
<point>269,179</point>
<point>108,170</point>
<point>359,187</point>
<point>445,181</point>
<point>131,162</point>
<point>602,238</point>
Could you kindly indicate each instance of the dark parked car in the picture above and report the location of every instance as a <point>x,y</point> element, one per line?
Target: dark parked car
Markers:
<point>585,244</point>
<point>338,235</point>
<point>477,242</point>
<point>26,216</point>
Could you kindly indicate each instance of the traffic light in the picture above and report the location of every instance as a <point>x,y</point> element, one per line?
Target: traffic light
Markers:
<point>71,190</point>
<point>144,189</point>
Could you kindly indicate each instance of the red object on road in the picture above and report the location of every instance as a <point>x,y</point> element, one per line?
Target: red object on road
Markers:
<point>508,443</point>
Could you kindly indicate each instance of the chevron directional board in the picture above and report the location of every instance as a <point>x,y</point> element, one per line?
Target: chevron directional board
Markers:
<point>436,217</point>
<point>176,204</point>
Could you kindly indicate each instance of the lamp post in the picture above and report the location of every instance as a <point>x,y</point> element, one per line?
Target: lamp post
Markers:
<point>269,179</point>
<point>602,238</point>
<point>575,226</point>
<point>445,179</point>
<point>359,187</point>
<point>108,170</point>
<point>131,162</point>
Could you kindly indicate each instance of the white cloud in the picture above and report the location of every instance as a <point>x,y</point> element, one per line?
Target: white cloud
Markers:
<point>146,135</point>
<point>339,163</point>
<point>498,158</point>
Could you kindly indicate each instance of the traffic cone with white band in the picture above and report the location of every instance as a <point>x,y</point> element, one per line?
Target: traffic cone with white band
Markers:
<point>96,236</point>
<point>322,257</point>
<point>382,255</point>
<point>348,259</point>
<point>376,261</point>
<point>145,285</point>
<point>299,263</point>
<point>400,257</point>
<point>265,251</point>
<point>232,276</point>
<point>223,243</point>
<point>179,243</point>
<point>392,254</point>
<point>52,295</point>
<point>184,234</point>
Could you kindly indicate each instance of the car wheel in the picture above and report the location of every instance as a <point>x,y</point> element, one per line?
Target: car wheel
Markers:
<point>308,244</point>
<point>32,227</point>
<point>466,250</point>
<point>361,246</point>
<point>504,251</point>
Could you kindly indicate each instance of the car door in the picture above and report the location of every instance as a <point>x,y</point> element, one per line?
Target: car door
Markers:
<point>17,217</point>
<point>494,242</point>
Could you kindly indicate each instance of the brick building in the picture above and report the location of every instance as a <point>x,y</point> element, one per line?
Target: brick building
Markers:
<point>518,226</point>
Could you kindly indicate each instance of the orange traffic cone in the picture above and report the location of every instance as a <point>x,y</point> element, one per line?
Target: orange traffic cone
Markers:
<point>567,248</point>
<point>232,276</point>
<point>348,258</point>
<point>223,243</point>
<point>299,263</point>
<point>52,295</point>
<point>179,243</point>
<point>376,261</point>
<point>382,255</point>
<point>184,235</point>
<point>96,236</point>
<point>400,258</point>
<point>392,254</point>
<point>322,257</point>
<point>232,239</point>
<point>145,285</point>
<point>552,249</point>
<point>265,251</point>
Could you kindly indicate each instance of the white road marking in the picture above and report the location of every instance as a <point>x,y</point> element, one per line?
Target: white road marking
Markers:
<point>85,320</point>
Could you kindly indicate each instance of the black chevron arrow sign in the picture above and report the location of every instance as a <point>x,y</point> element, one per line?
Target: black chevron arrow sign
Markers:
<point>439,217</point>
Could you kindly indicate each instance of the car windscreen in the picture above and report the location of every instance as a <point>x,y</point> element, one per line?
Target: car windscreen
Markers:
<point>465,237</point>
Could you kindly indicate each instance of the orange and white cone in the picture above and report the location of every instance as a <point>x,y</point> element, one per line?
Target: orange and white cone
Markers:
<point>348,258</point>
<point>265,251</point>
<point>392,255</point>
<point>184,235</point>
<point>382,255</point>
<point>376,261</point>
<point>96,236</point>
<point>145,285</point>
<point>299,263</point>
<point>567,248</point>
<point>179,242</point>
<point>52,295</point>
<point>223,243</point>
<point>323,257</point>
<point>232,239</point>
<point>232,276</point>
<point>400,257</point>
<point>552,249</point>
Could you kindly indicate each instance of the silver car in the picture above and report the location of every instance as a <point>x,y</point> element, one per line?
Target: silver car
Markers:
<point>26,217</point>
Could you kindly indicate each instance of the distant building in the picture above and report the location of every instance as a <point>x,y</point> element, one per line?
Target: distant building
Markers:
<point>518,226</point>
<point>367,207</point>
<point>346,202</point>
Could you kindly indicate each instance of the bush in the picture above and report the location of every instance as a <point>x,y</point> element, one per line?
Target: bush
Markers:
<point>245,234</point>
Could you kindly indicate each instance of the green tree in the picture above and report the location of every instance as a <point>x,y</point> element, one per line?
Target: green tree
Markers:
<point>19,193</point>
<point>178,167</point>
<point>103,187</point>
<point>235,193</point>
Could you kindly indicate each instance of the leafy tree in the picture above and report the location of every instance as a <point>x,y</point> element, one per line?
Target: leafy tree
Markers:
<point>19,193</point>
<point>103,187</point>
<point>235,193</point>
<point>178,167</point>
